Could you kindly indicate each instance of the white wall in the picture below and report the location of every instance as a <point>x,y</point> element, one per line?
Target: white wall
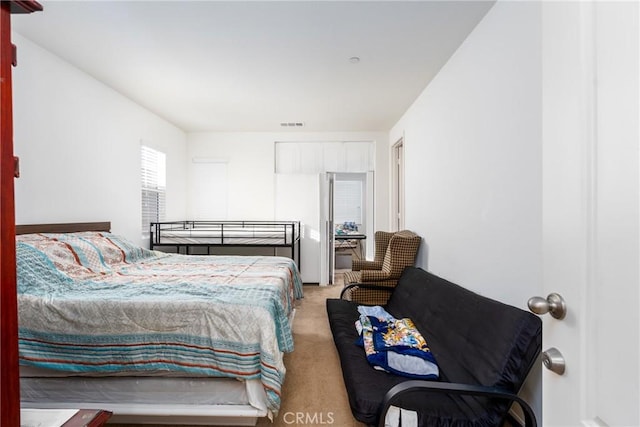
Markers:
<point>473,159</point>
<point>250,157</point>
<point>473,162</point>
<point>79,147</point>
<point>252,194</point>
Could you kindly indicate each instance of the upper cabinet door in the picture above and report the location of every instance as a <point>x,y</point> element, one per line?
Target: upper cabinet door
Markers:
<point>321,157</point>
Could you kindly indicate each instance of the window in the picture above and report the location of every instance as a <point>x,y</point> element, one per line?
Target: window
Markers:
<point>348,202</point>
<point>153,174</point>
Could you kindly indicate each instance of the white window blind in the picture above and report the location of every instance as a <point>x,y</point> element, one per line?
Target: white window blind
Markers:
<point>348,202</point>
<point>154,176</point>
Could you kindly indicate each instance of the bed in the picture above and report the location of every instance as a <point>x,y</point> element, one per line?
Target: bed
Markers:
<point>189,236</point>
<point>153,337</point>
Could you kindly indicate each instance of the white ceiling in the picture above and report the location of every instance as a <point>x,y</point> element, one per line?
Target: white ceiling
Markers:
<point>248,66</point>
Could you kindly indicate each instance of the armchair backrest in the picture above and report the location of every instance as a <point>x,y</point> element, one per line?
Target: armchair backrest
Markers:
<point>401,253</point>
<point>381,241</point>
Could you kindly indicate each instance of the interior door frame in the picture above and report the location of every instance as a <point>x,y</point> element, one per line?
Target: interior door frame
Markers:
<point>397,185</point>
<point>331,194</point>
<point>327,246</point>
<point>327,194</point>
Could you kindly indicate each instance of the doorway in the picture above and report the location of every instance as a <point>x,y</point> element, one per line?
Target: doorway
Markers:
<point>302,169</point>
<point>347,200</point>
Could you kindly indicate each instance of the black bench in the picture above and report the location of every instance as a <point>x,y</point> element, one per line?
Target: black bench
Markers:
<point>484,350</point>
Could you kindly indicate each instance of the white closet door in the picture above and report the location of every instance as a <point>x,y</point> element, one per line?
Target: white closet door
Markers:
<point>208,190</point>
<point>298,199</point>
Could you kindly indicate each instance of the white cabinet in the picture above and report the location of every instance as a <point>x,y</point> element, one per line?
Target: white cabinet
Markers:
<point>358,157</point>
<point>333,157</point>
<point>319,157</point>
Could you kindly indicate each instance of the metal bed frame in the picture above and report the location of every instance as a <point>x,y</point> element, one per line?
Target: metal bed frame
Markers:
<point>185,235</point>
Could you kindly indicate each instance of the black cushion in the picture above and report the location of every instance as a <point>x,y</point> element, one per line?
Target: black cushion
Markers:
<point>474,339</point>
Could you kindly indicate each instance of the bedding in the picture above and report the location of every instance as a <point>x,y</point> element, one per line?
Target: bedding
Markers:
<point>93,303</point>
<point>270,237</point>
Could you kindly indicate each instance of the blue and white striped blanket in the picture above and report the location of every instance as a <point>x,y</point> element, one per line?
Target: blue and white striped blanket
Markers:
<point>94,303</point>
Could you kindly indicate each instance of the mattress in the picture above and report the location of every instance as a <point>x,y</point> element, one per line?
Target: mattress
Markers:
<point>188,238</point>
<point>206,233</point>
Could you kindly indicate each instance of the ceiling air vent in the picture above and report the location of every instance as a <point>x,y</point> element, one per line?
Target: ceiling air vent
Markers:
<point>292,124</point>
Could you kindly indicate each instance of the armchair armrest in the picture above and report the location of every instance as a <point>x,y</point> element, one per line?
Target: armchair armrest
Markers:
<point>361,264</point>
<point>457,389</point>
<point>374,275</point>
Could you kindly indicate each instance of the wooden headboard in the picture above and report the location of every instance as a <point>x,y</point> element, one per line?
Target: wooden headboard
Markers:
<point>70,227</point>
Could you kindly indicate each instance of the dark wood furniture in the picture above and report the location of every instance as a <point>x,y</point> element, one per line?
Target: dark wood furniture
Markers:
<point>9,379</point>
<point>89,418</point>
<point>71,227</point>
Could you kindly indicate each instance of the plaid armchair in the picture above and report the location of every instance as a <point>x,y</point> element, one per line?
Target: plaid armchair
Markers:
<point>401,253</point>
<point>381,242</point>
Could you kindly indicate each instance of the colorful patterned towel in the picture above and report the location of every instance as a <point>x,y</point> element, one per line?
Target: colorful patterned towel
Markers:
<point>396,346</point>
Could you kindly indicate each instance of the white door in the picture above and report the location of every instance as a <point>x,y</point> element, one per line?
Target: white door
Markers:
<point>591,217</point>
<point>208,189</point>
<point>297,199</point>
